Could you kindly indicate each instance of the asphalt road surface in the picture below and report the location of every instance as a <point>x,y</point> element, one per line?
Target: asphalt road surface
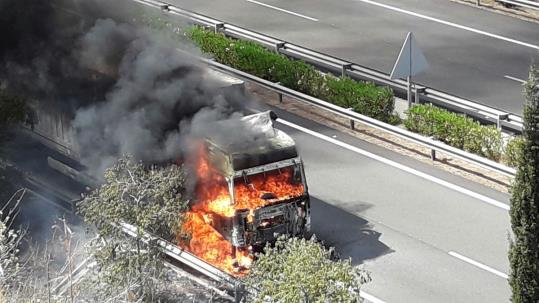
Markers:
<point>422,240</point>
<point>472,53</point>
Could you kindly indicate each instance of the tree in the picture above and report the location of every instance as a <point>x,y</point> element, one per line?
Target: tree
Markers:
<point>13,110</point>
<point>299,270</point>
<point>524,250</point>
<point>150,198</point>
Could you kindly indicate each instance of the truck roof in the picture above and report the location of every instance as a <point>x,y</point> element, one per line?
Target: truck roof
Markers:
<point>255,142</point>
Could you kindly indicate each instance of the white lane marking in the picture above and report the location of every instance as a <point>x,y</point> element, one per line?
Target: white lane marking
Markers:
<point>398,165</point>
<point>480,265</point>
<point>370,297</point>
<point>514,79</point>
<point>471,29</point>
<point>283,10</point>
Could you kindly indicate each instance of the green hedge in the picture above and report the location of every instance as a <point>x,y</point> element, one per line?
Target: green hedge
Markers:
<point>364,98</point>
<point>456,130</point>
<point>513,151</point>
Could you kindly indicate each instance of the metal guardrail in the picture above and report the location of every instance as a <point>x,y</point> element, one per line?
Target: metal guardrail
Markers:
<point>309,55</point>
<point>433,145</point>
<point>521,3</point>
<point>484,113</point>
<point>188,259</point>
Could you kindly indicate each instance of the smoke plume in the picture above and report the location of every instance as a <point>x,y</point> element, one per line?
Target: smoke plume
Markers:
<point>160,95</point>
<point>126,90</point>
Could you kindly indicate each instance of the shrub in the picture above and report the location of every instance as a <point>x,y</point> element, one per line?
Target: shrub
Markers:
<point>456,130</point>
<point>513,151</point>
<point>299,270</point>
<point>364,98</point>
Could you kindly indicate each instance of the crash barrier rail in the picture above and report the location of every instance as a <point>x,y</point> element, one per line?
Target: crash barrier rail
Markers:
<point>502,119</point>
<point>433,145</point>
<point>521,3</point>
<point>190,260</point>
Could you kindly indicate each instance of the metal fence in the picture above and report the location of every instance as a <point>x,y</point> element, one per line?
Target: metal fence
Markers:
<point>483,113</point>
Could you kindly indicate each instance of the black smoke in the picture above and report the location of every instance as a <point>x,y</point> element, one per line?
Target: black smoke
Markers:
<point>151,107</point>
<point>126,89</point>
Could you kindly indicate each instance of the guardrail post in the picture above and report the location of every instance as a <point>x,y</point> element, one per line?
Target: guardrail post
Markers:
<point>239,292</point>
<point>278,46</point>
<point>418,91</point>
<point>478,2</point>
<point>165,7</point>
<point>433,155</point>
<point>352,122</point>
<point>280,94</point>
<point>499,120</point>
<point>344,68</point>
<point>218,27</point>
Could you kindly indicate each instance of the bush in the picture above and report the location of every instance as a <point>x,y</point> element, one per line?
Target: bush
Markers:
<point>513,151</point>
<point>364,98</point>
<point>456,130</point>
<point>299,270</point>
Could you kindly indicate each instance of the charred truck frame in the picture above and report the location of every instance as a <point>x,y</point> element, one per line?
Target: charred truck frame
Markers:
<point>276,153</point>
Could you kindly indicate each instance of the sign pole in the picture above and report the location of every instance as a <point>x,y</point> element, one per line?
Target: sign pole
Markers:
<point>409,90</point>
<point>409,78</point>
<point>410,62</point>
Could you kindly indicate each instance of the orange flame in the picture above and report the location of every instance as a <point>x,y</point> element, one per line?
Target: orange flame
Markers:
<point>214,198</point>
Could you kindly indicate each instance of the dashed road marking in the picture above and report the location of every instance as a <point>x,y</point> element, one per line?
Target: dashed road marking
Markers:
<point>283,10</point>
<point>369,297</point>
<point>448,23</point>
<point>478,264</point>
<point>514,79</point>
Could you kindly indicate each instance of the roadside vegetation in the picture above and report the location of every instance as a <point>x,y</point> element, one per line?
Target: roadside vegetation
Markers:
<point>524,212</point>
<point>300,270</point>
<point>363,97</point>
<point>153,200</point>
<point>454,129</point>
<point>463,132</point>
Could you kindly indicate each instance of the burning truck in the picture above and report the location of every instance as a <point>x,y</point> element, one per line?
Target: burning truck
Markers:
<point>246,196</point>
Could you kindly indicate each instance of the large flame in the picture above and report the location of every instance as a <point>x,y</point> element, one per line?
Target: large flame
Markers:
<point>213,198</point>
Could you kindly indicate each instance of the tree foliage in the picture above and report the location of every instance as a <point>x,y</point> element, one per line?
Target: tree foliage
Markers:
<point>300,270</point>
<point>13,110</point>
<point>524,251</point>
<point>150,198</point>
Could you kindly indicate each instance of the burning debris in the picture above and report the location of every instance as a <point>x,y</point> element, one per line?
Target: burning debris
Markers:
<point>246,195</point>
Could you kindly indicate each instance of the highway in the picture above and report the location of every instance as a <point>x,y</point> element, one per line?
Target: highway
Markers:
<point>422,240</point>
<point>472,53</point>
<point>424,235</point>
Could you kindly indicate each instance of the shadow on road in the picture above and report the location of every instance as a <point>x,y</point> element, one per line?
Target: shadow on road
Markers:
<point>351,235</point>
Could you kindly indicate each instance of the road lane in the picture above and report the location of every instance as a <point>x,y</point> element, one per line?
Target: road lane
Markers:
<point>403,227</point>
<point>463,63</point>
